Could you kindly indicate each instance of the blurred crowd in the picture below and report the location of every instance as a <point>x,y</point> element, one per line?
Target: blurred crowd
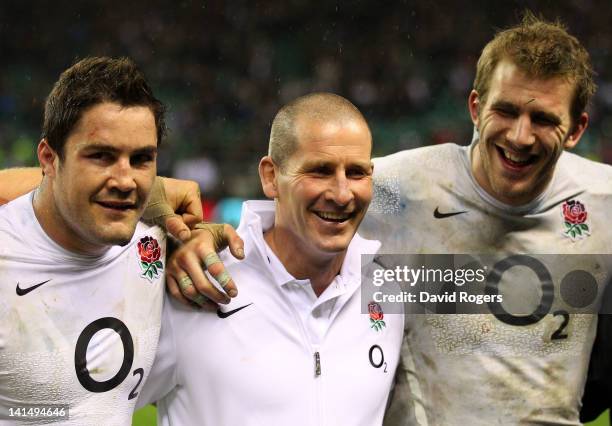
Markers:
<point>225,67</point>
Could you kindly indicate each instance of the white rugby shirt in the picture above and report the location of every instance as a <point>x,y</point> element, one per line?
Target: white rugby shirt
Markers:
<point>277,354</point>
<point>76,331</point>
<point>477,369</point>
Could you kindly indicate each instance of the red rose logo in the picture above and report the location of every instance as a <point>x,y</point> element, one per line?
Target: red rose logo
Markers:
<point>574,212</point>
<point>375,311</point>
<point>150,252</point>
<point>376,316</point>
<point>574,218</point>
<point>148,249</point>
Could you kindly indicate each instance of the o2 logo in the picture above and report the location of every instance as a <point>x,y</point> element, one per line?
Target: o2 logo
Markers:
<point>377,358</point>
<point>80,357</point>
<point>577,288</point>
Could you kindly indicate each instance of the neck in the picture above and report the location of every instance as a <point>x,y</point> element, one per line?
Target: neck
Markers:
<point>320,268</point>
<point>52,222</point>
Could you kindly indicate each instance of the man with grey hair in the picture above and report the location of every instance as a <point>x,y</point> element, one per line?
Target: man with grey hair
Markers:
<point>293,338</point>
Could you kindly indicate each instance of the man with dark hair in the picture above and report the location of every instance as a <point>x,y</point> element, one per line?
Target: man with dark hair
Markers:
<point>286,350</point>
<point>514,190</point>
<point>93,81</point>
<point>82,278</point>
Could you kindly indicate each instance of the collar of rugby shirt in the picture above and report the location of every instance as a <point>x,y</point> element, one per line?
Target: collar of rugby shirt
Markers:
<point>315,312</point>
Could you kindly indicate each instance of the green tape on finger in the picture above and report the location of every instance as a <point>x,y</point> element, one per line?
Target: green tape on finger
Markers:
<point>200,299</point>
<point>211,259</point>
<point>185,282</point>
<point>223,278</point>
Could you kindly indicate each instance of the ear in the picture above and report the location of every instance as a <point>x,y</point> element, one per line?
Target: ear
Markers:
<point>47,157</point>
<point>474,106</point>
<point>577,131</point>
<point>268,174</point>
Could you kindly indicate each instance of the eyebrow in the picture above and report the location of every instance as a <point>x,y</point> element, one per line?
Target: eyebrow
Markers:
<point>505,105</point>
<point>553,118</point>
<point>323,163</point>
<point>151,149</point>
<point>510,107</point>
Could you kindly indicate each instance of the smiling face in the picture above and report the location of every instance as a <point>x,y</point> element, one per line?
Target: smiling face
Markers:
<point>524,124</point>
<point>324,188</point>
<point>100,188</point>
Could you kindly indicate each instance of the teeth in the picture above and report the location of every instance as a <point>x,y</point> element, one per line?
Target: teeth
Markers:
<point>333,216</point>
<point>516,158</point>
<point>116,205</point>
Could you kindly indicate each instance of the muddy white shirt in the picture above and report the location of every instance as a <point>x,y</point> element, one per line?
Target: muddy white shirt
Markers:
<point>476,369</point>
<point>75,331</point>
<point>277,354</point>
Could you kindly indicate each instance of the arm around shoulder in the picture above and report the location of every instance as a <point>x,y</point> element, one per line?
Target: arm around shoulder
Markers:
<point>18,181</point>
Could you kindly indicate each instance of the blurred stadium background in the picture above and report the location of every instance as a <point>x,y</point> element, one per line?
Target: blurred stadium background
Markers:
<point>225,67</point>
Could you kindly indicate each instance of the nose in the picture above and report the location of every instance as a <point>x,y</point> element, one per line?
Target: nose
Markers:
<point>122,176</point>
<point>340,191</point>
<point>521,133</point>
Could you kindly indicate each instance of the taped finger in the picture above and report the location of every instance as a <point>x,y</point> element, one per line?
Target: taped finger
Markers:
<point>216,230</point>
<point>211,259</point>
<point>158,209</point>
<point>223,278</point>
<point>185,282</point>
<point>173,288</point>
<point>200,299</point>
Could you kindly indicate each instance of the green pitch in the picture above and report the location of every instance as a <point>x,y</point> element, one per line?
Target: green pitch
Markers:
<point>603,420</point>
<point>146,417</point>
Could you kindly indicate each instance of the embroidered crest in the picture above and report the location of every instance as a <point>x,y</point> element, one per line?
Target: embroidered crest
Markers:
<point>150,252</point>
<point>574,220</point>
<point>376,316</point>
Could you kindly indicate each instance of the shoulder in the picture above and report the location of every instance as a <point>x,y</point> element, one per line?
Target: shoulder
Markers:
<point>16,220</point>
<point>417,166</point>
<point>593,175</point>
<point>423,157</point>
<point>412,174</point>
<point>14,209</point>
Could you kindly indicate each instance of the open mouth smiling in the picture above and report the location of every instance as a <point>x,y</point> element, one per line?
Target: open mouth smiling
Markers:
<point>117,205</point>
<point>336,217</point>
<point>516,160</point>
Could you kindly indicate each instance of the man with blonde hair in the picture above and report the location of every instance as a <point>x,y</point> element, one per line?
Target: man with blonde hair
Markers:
<point>514,194</point>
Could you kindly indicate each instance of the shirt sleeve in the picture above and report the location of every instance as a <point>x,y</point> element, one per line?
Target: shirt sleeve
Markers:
<point>162,378</point>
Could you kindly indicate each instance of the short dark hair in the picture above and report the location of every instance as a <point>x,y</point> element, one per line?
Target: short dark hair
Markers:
<point>92,81</point>
<point>542,50</point>
<point>318,106</point>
